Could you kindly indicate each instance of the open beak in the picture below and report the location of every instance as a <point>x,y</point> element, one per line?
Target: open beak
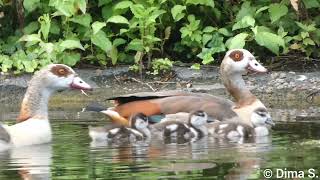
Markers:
<point>78,83</point>
<point>255,66</point>
<point>270,122</point>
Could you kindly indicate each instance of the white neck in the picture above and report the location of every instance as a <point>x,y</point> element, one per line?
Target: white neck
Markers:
<point>35,101</point>
<point>261,131</point>
<point>236,86</point>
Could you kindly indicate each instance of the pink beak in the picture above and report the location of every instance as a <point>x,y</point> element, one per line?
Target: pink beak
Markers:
<point>78,83</point>
<point>255,66</point>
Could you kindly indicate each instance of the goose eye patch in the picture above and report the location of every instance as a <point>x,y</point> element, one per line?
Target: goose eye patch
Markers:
<point>60,71</point>
<point>236,55</point>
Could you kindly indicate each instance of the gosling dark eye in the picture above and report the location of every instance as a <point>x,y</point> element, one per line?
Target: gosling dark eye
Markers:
<point>262,114</point>
<point>200,113</point>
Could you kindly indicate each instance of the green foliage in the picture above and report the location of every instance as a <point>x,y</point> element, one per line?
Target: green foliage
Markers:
<point>140,33</point>
<point>161,66</point>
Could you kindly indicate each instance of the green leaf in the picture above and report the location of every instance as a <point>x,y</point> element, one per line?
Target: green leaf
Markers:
<point>31,27</point>
<point>206,38</point>
<point>29,66</point>
<point>54,27</point>
<point>209,3</point>
<point>216,44</point>
<point>276,11</point>
<point>71,44</point>
<point>209,29</point>
<point>123,5</point>
<point>83,20</point>
<point>71,59</point>
<point>103,2</point>
<point>31,5</point>
<point>308,28</point>
<point>262,9</point>
<point>82,4</point>
<point>118,19</point>
<point>207,58</point>
<point>136,45</point>
<point>65,8</point>
<point>107,11</point>
<point>311,3</point>
<point>246,10</point>
<point>45,23</point>
<point>30,37</point>
<point>177,12</point>
<point>113,54</point>
<point>308,41</point>
<point>6,63</point>
<point>246,21</point>
<point>138,10</point>
<point>237,41</point>
<point>269,40</point>
<point>225,32</point>
<point>101,40</point>
<point>96,26</point>
<point>118,41</point>
<point>196,66</point>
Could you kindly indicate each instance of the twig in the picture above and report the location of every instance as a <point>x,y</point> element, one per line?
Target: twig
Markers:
<point>136,80</point>
<point>162,82</point>
<point>117,79</point>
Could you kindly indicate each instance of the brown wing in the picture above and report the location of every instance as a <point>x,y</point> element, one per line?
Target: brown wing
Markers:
<point>215,107</point>
<point>148,95</point>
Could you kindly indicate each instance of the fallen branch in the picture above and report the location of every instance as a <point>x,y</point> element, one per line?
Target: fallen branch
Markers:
<point>143,83</point>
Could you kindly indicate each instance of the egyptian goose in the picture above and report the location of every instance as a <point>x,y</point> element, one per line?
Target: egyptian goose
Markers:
<point>138,130</point>
<point>235,63</point>
<point>33,125</point>
<point>261,121</point>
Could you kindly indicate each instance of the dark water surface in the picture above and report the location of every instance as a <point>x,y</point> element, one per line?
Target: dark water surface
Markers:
<point>294,145</point>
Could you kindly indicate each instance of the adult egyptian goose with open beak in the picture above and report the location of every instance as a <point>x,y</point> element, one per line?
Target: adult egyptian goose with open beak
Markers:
<point>236,63</point>
<point>33,126</point>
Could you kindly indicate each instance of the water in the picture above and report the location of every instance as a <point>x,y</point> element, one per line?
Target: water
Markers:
<point>293,145</point>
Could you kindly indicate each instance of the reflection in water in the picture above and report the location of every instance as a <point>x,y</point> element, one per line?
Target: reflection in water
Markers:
<point>189,156</point>
<point>30,162</point>
<point>71,156</point>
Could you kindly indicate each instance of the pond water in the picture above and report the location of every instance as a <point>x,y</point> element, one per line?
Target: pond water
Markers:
<point>293,145</point>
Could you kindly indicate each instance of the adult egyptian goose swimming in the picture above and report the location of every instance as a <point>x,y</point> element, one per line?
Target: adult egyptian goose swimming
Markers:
<point>138,130</point>
<point>235,63</point>
<point>261,121</point>
<point>33,126</point>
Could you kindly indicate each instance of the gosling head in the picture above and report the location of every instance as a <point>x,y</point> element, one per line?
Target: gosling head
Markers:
<point>261,117</point>
<point>241,61</point>
<point>139,121</point>
<point>59,77</point>
<point>198,118</point>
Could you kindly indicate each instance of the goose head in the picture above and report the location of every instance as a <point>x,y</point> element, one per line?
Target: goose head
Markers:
<point>57,77</point>
<point>52,78</point>
<point>261,117</point>
<point>139,121</point>
<point>241,61</point>
<point>198,118</point>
